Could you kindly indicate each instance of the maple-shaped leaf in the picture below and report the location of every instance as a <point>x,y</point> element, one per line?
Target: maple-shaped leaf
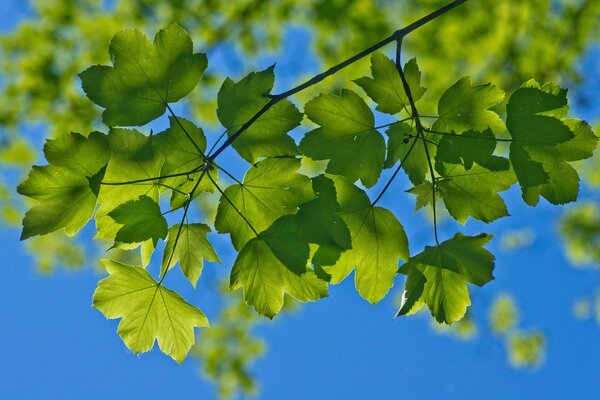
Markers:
<point>274,263</point>
<point>67,189</point>
<point>145,76</point>
<point>192,248</point>
<point>319,223</point>
<point>438,276</point>
<point>465,106</point>
<point>134,159</point>
<point>149,311</point>
<point>141,220</point>
<point>471,147</point>
<point>386,88</point>
<point>544,142</point>
<point>271,188</point>
<point>181,155</point>
<point>347,137</point>
<point>378,243</point>
<point>473,192</point>
<point>238,102</point>
<point>416,165</point>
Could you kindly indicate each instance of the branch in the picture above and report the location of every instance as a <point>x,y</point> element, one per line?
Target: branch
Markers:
<point>274,99</point>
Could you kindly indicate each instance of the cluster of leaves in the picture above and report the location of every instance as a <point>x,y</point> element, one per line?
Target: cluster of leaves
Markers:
<point>295,234</point>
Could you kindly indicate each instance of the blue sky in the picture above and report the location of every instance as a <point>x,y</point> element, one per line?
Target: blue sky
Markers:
<point>56,346</point>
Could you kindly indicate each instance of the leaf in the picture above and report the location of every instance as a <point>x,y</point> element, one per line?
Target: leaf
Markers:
<point>67,189</point>
<point>386,88</point>
<point>400,140</point>
<point>471,147</point>
<point>134,159</point>
<point>274,263</point>
<point>67,200</point>
<point>141,220</point>
<point>378,243</point>
<point>79,154</point>
<point>181,156</point>
<point>271,189</point>
<point>543,143</point>
<point>238,102</point>
<point>192,248</point>
<point>148,310</point>
<point>347,137</point>
<point>438,275</point>
<point>465,107</point>
<point>145,77</point>
<point>474,192</point>
<point>319,223</point>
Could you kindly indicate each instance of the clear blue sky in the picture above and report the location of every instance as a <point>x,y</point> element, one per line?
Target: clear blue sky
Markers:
<point>55,346</point>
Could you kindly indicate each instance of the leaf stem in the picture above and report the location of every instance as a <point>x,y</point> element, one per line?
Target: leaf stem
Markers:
<point>420,134</point>
<point>233,205</point>
<point>184,130</point>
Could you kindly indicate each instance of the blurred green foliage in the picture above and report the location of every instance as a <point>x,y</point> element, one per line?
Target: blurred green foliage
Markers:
<point>525,348</point>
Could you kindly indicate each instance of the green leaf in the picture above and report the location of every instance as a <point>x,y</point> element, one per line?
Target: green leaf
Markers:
<point>145,77</point>
<point>134,159</point>
<point>378,243</point>
<point>67,200</point>
<point>239,101</point>
<point>67,189</point>
<point>438,275</point>
<point>182,156</point>
<point>347,137</point>
<point>148,310</point>
<point>192,248</point>
<point>416,164</point>
<point>465,107</point>
<point>319,223</point>
<point>272,188</point>
<point>141,220</point>
<point>471,147</point>
<point>474,192</point>
<point>79,154</point>
<point>275,263</point>
<point>386,88</point>
<point>543,143</point>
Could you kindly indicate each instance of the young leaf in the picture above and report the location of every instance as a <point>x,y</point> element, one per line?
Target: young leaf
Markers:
<point>378,243</point>
<point>347,137</point>
<point>182,156</point>
<point>543,143</point>
<point>145,77</point>
<point>192,248</point>
<point>464,106</point>
<point>239,101</point>
<point>275,263</point>
<point>438,275</point>
<point>141,220</point>
<point>67,188</point>
<point>148,310</point>
<point>270,189</point>
<point>386,88</point>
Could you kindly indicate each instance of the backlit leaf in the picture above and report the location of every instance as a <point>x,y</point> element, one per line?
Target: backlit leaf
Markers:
<point>149,311</point>
<point>145,76</point>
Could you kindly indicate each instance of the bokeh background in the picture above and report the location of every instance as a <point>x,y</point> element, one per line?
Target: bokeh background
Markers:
<point>534,332</point>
